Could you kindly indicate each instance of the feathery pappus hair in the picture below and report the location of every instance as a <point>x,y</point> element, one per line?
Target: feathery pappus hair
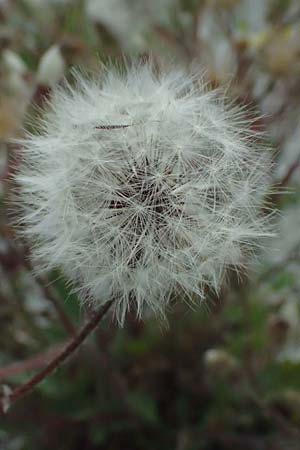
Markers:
<point>143,186</point>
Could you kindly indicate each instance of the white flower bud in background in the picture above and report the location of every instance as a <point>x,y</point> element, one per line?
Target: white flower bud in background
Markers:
<point>12,77</point>
<point>51,68</point>
<point>16,90</point>
<point>219,362</point>
<point>13,61</point>
<point>143,187</point>
<point>130,20</point>
<point>217,52</point>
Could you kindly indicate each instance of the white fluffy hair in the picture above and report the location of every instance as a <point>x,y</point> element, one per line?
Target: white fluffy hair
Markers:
<point>143,186</point>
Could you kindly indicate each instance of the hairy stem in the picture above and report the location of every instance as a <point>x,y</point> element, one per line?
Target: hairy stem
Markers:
<point>57,360</point>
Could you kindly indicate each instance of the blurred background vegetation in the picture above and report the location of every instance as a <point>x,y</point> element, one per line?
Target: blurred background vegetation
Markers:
<point>225,376</point>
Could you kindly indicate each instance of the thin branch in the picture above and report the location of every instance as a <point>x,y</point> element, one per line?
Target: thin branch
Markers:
<point>289,173</point>
<point>11,397</point>
<point>279,186</point>
<point>292,256</point>
<point>33,363</point>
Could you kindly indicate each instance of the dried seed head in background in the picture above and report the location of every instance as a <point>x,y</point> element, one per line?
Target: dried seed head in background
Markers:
<point>143,185</point>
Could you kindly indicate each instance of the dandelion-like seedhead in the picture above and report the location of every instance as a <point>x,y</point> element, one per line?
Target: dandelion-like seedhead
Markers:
<point>143,185</point>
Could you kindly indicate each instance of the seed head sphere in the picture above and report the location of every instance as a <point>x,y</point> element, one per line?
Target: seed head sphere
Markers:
<point>143,186</point>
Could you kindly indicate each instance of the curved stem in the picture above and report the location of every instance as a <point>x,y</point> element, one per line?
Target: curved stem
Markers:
<point>19,392</point>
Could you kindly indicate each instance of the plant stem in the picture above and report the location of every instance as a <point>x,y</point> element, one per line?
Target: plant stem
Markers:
<point>36,362</point>
<point>289,173</point>
<point>57,360</point>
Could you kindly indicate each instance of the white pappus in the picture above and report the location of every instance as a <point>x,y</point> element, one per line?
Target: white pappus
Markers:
<point>143,186</point>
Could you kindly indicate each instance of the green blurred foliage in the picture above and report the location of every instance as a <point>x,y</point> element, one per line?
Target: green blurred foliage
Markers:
<point>149,385</point>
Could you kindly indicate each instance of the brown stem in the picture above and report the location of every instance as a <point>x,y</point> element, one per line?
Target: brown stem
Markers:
<point>289,173</point>
<point>58,359</point>
<point>279,187</point>
<point>33,363</point>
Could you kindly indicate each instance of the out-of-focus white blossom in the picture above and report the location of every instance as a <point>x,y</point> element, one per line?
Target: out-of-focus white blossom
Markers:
<point>15,89</point>
<point>142,186</point>
<point>130,20</point>
<point>219,361</point>
<point>216,51</point>
<point>12,76</point>
<point>51,67</point>
<point>13,62</point>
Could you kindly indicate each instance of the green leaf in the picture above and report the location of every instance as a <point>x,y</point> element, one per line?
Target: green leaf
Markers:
<point>144,406</point>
